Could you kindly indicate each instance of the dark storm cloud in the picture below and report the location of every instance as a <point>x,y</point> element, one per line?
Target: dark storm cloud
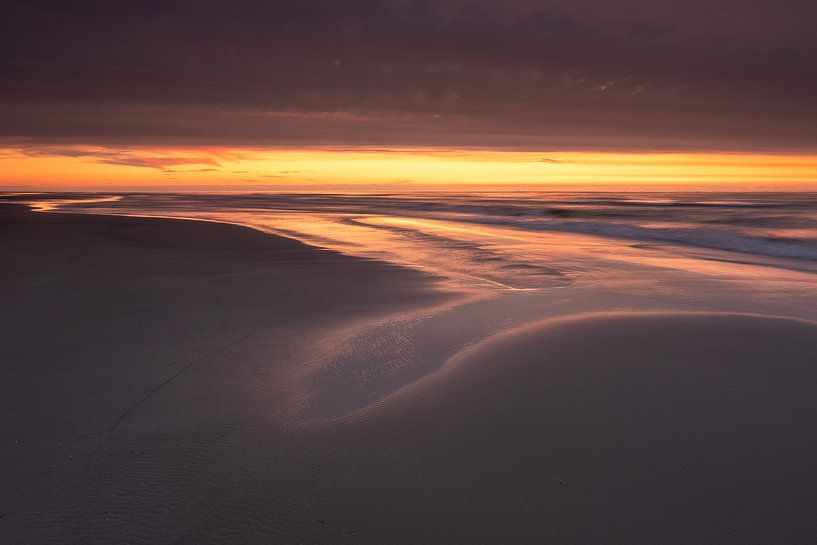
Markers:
<point>681,74</point>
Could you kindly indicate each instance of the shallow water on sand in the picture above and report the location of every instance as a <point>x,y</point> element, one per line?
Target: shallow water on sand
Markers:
<point>517,257</point>
<point>515,239</point>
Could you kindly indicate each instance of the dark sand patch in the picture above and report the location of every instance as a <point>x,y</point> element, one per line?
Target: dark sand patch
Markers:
<point>650,428</point>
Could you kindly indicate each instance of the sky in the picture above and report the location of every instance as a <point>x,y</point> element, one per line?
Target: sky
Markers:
<point>217,93</point>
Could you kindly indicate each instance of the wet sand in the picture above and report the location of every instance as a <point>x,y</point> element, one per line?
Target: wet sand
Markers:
<point>101,317</point>
<point>151,394</point>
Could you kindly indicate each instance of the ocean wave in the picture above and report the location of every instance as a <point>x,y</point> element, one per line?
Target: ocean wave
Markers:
<point>693,237</point>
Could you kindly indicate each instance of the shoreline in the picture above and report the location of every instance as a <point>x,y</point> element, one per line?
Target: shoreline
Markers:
<point>707,245</point>
<point>198,382</point>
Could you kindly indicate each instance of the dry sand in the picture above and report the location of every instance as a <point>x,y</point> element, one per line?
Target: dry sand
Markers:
<point>148,397</point>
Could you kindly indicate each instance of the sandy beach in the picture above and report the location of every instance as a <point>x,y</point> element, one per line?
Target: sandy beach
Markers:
<point>158,387</point>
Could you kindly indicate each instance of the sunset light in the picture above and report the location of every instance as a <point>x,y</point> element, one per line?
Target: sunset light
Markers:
<point>81,167</point>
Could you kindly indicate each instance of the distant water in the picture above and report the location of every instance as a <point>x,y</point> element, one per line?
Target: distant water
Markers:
<point>499,237</point>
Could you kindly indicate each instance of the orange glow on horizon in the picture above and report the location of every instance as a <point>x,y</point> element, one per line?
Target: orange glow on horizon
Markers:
<point>80,168</point>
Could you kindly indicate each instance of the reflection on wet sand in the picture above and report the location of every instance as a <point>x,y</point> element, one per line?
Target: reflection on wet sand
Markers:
<point>511,272</point>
